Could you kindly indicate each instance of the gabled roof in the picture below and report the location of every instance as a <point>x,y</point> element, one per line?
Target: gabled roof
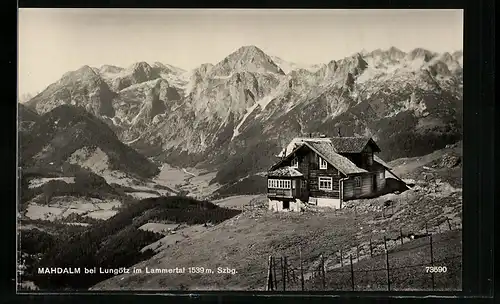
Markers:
<point>340,144</point>
<point>326,150</point>
<point>285,172</point>
<point>342,163</point>
<point>352,144</point>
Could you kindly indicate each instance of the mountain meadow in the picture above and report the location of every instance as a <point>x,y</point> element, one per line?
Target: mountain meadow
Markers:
<point>152,165</point>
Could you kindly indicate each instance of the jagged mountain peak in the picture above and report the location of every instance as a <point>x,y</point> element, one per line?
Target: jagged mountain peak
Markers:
<point>249,49</point>
<point>446,56</point>
<point>420,53</point>
<point>81,73</point>
<point>355,64</point>
<point>331,66</point>
<point>392,53</point>
<point>82,88</point>
<point>136,73</point>
<point>167,68</point>
<point>438,68</point>
<point>141,65</point>
<point>447,60</point>
<point>394,49</point>
<point>246,58</point>
<point>458,56</point>
<point>112,69</point>
<point>158,64</point>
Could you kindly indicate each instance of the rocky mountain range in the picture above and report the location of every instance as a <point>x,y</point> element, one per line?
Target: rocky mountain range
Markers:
<point>234,116</point>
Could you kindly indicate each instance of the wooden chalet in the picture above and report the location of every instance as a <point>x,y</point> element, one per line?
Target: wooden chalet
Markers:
<point>325,172</point>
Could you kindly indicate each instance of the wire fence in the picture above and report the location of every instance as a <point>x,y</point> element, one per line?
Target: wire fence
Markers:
<point>369,269</point>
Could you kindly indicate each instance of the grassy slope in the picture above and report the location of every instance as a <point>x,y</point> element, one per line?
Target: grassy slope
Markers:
<point>245,241</point>
<point>117,242</point>
<point>407,267</point>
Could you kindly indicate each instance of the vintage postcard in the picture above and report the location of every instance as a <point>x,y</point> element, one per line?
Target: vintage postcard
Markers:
<point>240,150</point>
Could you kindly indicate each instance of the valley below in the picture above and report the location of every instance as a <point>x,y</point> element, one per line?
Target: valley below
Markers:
<point>242,241</point>
<point>154,167</point>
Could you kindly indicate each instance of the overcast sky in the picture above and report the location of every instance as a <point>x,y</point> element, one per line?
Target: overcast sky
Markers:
<point>54,41</point>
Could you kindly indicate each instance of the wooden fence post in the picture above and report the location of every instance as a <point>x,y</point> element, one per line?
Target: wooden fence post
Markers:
<point>323,271</point>
<point>401,234</point>
<point>383,212</point>
<point>388,271</point>
<point>301,269</point>
<point>274,275</point>
<point>283,274</point>
<point>269,274</point>
<point>352,273</point>
<point>371,248</point>
<point>357,253</point>
<point>287,277</point>
<point>385,243</point>
<point>449,224</point>
<point>291,273</point>
<point>432,261</point>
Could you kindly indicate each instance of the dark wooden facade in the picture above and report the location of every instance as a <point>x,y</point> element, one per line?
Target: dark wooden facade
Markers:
<point>344,187</point>
<point>363,160</point>
<point>316,172</point>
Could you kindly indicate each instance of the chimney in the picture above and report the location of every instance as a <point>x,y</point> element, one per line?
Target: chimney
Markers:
<point>310,135</point>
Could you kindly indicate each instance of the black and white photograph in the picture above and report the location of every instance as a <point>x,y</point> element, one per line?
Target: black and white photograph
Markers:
<point>254,150</point>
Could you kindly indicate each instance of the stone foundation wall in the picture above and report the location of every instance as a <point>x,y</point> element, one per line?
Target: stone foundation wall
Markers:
<point>277,205</point>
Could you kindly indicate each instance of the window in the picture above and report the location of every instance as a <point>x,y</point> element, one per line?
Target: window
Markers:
<point>357,182</point>
<point>381,175</point>
<point>325,183</point>
<point>322,163</point>
<point>279,184</point>
<point>295,162</point>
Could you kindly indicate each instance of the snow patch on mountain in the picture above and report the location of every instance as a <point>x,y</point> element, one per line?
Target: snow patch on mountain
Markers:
<point>248,112</point>
<point>288,66</point>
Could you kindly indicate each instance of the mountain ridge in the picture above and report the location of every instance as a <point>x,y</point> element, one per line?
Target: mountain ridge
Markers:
<point>71,135</point>
<point>217,114</point>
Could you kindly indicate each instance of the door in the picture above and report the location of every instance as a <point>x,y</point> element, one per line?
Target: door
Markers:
<point>296,187</point>
<point>304,194</point>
